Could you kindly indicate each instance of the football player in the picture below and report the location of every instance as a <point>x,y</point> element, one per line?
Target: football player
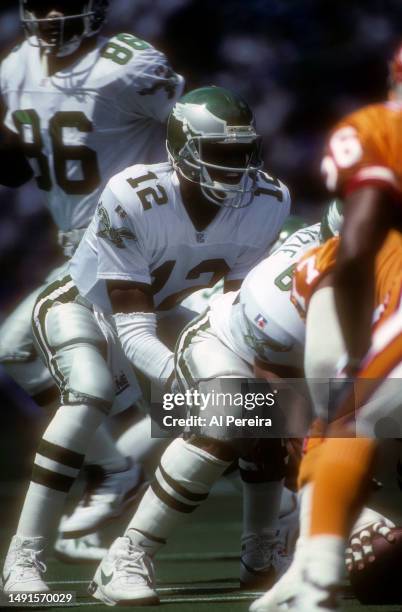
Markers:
<point>257,323</point>
<point>199,300</point>
<point>159,232</point>
<point>79,107</point>
<point>362,164</point>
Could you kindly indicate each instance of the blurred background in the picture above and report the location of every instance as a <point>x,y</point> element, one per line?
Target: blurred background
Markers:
<point>301,64</point>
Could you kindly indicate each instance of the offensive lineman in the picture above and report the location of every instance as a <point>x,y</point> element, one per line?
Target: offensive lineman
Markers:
<point>223,341</point>
<point>79,107</point>
<point>159,232</point>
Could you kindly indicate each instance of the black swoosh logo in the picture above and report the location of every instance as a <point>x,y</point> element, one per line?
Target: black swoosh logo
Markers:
<point>106,578</point>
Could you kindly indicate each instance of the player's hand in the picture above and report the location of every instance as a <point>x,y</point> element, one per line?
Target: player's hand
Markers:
<point>360,550</point>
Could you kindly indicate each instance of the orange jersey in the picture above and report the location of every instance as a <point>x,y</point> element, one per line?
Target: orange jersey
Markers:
<point>365,148</point>
<point>319,261</point>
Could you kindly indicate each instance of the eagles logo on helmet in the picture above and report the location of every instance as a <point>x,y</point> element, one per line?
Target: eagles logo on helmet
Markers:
<point>212,141</point>
<point>59,26</point>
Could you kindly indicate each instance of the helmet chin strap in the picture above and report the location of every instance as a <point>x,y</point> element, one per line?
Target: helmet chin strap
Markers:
<point>233,194</point>
<point>69,47</point>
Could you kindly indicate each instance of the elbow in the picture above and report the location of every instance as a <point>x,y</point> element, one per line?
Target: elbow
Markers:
<point>352,269</point>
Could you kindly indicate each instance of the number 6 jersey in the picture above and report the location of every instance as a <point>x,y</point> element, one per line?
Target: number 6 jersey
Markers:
<point>86,122</point>
<point>141,232</point>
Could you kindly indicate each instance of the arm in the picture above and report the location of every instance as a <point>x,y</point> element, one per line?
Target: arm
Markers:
<point>136,324</point>
<point>368,218</point>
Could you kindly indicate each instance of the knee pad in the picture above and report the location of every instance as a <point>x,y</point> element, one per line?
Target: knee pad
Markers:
<point>75,350</point>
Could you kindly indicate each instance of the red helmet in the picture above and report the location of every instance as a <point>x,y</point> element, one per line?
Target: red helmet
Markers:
<point>396,67</point>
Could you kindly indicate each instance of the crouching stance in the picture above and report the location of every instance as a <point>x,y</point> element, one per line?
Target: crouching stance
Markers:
<point>216,353</point>
<point>74,348</point>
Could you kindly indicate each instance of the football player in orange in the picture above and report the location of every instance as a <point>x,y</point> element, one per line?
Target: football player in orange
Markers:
<point>363,164</point>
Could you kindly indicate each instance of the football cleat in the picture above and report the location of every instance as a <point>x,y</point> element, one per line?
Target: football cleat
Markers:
<point>125,576</point>
<point>107,496</point>
<point>23,567</point>
<point>78,550</point>
<point>263,560</point>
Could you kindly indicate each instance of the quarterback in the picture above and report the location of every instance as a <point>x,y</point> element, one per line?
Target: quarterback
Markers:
<point>79,107</point>
<point>158,233</point>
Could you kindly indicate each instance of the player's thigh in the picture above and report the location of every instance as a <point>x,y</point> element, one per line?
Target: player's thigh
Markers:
<point>202,356</point>
<point>323,348</point>
<point>204,363</point>
<point>74,349</point>
<point>378,393</point>
<point>16,342</point>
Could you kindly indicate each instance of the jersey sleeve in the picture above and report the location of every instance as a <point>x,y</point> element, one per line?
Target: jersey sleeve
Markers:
<point>310,270</point>
<point>358,153</point>
<point>151,85</point>
<point>121,252</point>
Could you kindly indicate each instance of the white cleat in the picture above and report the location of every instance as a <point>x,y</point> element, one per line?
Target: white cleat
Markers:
<point>125,576</point>
<point>78,550</point>
<point>283,594</point>
<point>107,497</point>
<point>23,567</point>
<point>263,560</point>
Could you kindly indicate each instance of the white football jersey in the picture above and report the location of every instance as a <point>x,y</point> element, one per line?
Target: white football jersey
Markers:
<point>141,232</point>
<point>264,298</point>
<point>85,123</point>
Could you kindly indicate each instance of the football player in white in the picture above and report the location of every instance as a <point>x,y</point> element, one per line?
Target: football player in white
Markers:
<point>79,107</point>
<point>223,342</point>
<point>159,232</point>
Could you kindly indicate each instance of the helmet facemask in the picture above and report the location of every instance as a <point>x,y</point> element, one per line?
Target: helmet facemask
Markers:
<point>62,35</point>
<point>224,167</point>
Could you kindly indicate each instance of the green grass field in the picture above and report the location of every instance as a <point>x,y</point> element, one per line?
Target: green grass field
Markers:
<point>197,571</point>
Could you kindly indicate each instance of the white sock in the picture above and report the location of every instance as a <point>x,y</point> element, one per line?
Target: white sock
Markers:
<point>183,480</point>
<point>136,442</point>
<point>103,451</point>
<point>261,502</point>
<point>261,498</point>
<point>305,501</point>
<point>57,463</point>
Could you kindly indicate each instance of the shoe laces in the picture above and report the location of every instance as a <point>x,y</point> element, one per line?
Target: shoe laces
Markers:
<point>270,547</point>
<point>133,562</point>
<point>27,558</point>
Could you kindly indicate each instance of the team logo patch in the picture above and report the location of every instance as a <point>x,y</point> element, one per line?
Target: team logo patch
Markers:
<point>260,321</point>
<point>115,235</point>
<point>120,211</point>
